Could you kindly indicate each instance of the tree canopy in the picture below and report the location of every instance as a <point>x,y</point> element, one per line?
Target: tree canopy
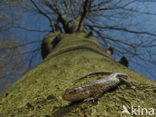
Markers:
<point>113,22</point>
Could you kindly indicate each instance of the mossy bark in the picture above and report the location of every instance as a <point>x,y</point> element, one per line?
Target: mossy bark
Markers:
<point>39,92</point>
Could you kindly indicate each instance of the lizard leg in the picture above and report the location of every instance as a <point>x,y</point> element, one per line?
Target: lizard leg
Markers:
<point>98,94</point>
<point>95,96</point>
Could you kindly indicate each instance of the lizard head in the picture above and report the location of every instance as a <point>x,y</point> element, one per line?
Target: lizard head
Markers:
<point>73,94</point>
<point>120,75</point>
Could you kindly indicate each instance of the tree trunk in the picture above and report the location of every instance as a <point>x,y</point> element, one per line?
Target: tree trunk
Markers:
<point>39,92</point>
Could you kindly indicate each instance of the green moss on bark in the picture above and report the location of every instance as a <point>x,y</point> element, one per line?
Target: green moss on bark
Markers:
<point>39,92</point>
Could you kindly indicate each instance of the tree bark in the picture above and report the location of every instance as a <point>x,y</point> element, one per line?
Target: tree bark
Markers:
<point>39,92</point>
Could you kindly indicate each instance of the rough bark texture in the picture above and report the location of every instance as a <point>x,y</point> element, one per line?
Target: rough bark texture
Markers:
<point>39,92</point>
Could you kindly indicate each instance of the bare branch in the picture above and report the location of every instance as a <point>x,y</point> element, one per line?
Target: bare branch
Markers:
<point>21,45</point>
<point>31,30</point>
<point>44,14</point>
<point>86,7</point>
<point>122,29</point>
<point>66,2</point>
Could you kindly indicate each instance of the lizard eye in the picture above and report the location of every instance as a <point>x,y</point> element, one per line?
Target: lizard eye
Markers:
<point>75,91</point>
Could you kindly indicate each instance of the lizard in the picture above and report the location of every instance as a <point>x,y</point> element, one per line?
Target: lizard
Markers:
<point>95,89</point>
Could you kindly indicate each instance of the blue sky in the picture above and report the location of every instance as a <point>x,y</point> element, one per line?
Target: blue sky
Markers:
<point>144,22</point>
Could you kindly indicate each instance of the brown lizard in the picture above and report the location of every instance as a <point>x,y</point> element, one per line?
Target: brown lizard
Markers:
<point>95,89</point>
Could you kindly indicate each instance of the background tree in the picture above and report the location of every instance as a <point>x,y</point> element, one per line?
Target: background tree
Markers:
<point>12,63</point>
<point>113,22</point>
<point>12,59</point>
